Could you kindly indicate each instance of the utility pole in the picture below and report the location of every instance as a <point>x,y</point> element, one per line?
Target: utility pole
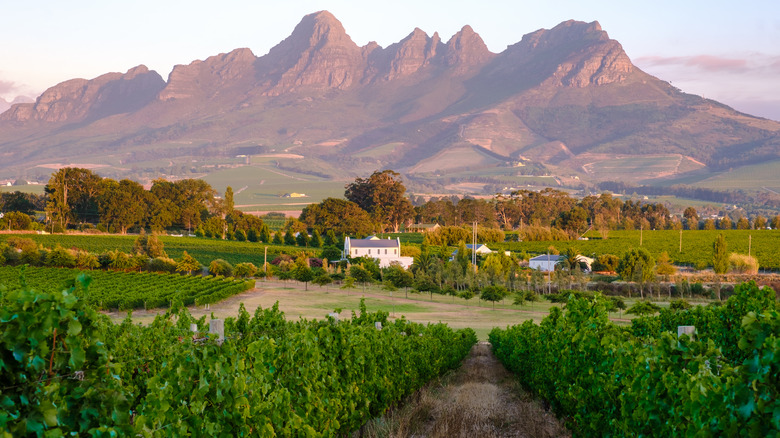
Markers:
<point>750,243</point>
<point>641,231</point>
<point>265,262</point>
<point>474,246</point>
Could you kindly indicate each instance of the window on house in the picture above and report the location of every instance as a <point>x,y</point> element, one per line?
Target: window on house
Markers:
<point>369,252</point>
<point>395,251</point>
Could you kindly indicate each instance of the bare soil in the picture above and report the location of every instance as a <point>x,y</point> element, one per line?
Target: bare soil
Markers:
<point>480,399</point>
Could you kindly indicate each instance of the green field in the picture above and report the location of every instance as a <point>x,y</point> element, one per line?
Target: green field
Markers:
<point>260,187</point>
<point>696,245</point>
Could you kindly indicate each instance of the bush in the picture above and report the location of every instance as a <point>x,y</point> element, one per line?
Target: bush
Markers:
<point>244,270</point>
<point>220,267</point>
<point>743,264</point>
<point>161,264</point>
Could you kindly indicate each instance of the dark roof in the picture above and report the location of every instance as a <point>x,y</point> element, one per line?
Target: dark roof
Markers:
<point>547,258</point>
<point>376,243</point>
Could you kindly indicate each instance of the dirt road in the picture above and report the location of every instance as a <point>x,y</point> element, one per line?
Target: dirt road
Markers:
<point>480,399</point>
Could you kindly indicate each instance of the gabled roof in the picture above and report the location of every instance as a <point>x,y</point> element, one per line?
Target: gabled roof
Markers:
<point>372,243</point>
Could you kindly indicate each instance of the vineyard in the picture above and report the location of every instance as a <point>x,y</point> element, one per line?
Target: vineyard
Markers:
<point>203,250</point>
<point>269,377</point>
<point>696,245</point>
<point>645,381</point>
<point>128,290</point>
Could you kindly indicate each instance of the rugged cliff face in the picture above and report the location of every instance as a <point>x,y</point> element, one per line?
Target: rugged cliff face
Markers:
<point>566,96</point>
<point>80,99</point>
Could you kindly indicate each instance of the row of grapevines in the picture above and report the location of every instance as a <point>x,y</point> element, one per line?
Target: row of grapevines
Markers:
<point>68,370</point>
<point>130,290</point>
<point>607,382</point>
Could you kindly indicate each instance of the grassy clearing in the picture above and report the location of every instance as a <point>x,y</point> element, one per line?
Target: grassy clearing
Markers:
<point>317,302</point>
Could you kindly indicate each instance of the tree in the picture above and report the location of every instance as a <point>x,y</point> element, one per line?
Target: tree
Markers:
<point>245,270</point>
<point>399,277</point>
<point>187,264</point>
<point>338,217</point>
<point>302,239</point>
<point>220,267</point>
<point>228,205</point>
<point>665,266</point>
<point>122,205</point>
<point>151,245</point>
<point>302,271</point>
<point>382,195</point>
<point>636,261</point>
<point>494,293</point>
<point>360,274</point>
<point>323,279</point>
<point>720,256</point>
<point>316,240</point>
<point>691,218</point>
<point>289,237</point>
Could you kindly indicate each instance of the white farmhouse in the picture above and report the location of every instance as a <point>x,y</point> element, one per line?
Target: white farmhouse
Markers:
<point>544,262</point>
<point>547,262</point>
<point>385,250</point>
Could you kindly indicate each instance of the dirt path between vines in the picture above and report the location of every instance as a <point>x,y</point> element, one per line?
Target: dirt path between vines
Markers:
<point>480,399</point>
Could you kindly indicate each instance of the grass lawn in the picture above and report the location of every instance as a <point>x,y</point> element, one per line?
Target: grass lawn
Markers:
<point>317,302</point>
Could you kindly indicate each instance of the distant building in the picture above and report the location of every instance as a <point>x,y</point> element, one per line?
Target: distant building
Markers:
<point>384,250</point>
<point>481,249</point>
<point>547,262</point>
<point>422,228</point>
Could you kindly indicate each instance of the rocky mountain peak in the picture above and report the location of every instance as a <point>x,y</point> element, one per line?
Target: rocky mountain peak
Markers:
<point>317,53</point>
<point>411,53</point>
<point>466,48</point>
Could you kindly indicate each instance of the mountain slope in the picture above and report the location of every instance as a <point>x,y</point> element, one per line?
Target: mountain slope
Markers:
<point>567,100</point>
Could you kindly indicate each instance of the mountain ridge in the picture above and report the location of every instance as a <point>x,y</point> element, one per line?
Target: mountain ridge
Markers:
<point>557,99</point>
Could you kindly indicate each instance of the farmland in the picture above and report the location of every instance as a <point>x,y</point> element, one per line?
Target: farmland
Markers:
<point>127,290</point>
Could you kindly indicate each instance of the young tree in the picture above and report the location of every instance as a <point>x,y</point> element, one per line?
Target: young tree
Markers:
<point>664,266</point>
<point>289,237</point>
<point>360,274</point>
<point>493,294</point>
<point>316,240</point>
<point>720,256</point>
<point>187,264</point>
<point>302,271</point>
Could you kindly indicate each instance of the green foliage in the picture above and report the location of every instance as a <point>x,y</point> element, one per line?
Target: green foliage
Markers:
<point>720,256</point>
<point>607,381</point>
<point>220,267</point>
<point>243,270</point>
<point>269,377</point>
<point>643,308</point>
<point>636,265</point>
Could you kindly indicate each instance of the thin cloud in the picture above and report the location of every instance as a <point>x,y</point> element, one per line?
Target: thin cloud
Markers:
<point>707,63</point>
<point>8,87</point>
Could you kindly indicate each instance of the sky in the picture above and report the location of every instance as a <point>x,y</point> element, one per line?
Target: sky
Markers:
<point>723,50</point>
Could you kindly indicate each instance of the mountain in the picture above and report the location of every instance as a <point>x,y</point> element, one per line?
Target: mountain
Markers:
<point>566,102</point>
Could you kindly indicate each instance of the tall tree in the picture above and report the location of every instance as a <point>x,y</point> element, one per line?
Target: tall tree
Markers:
<point>338,217</point>
<point>720,256</point>
<point>122,204</point>
<point>228,204</point>
<point>382,195</point>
